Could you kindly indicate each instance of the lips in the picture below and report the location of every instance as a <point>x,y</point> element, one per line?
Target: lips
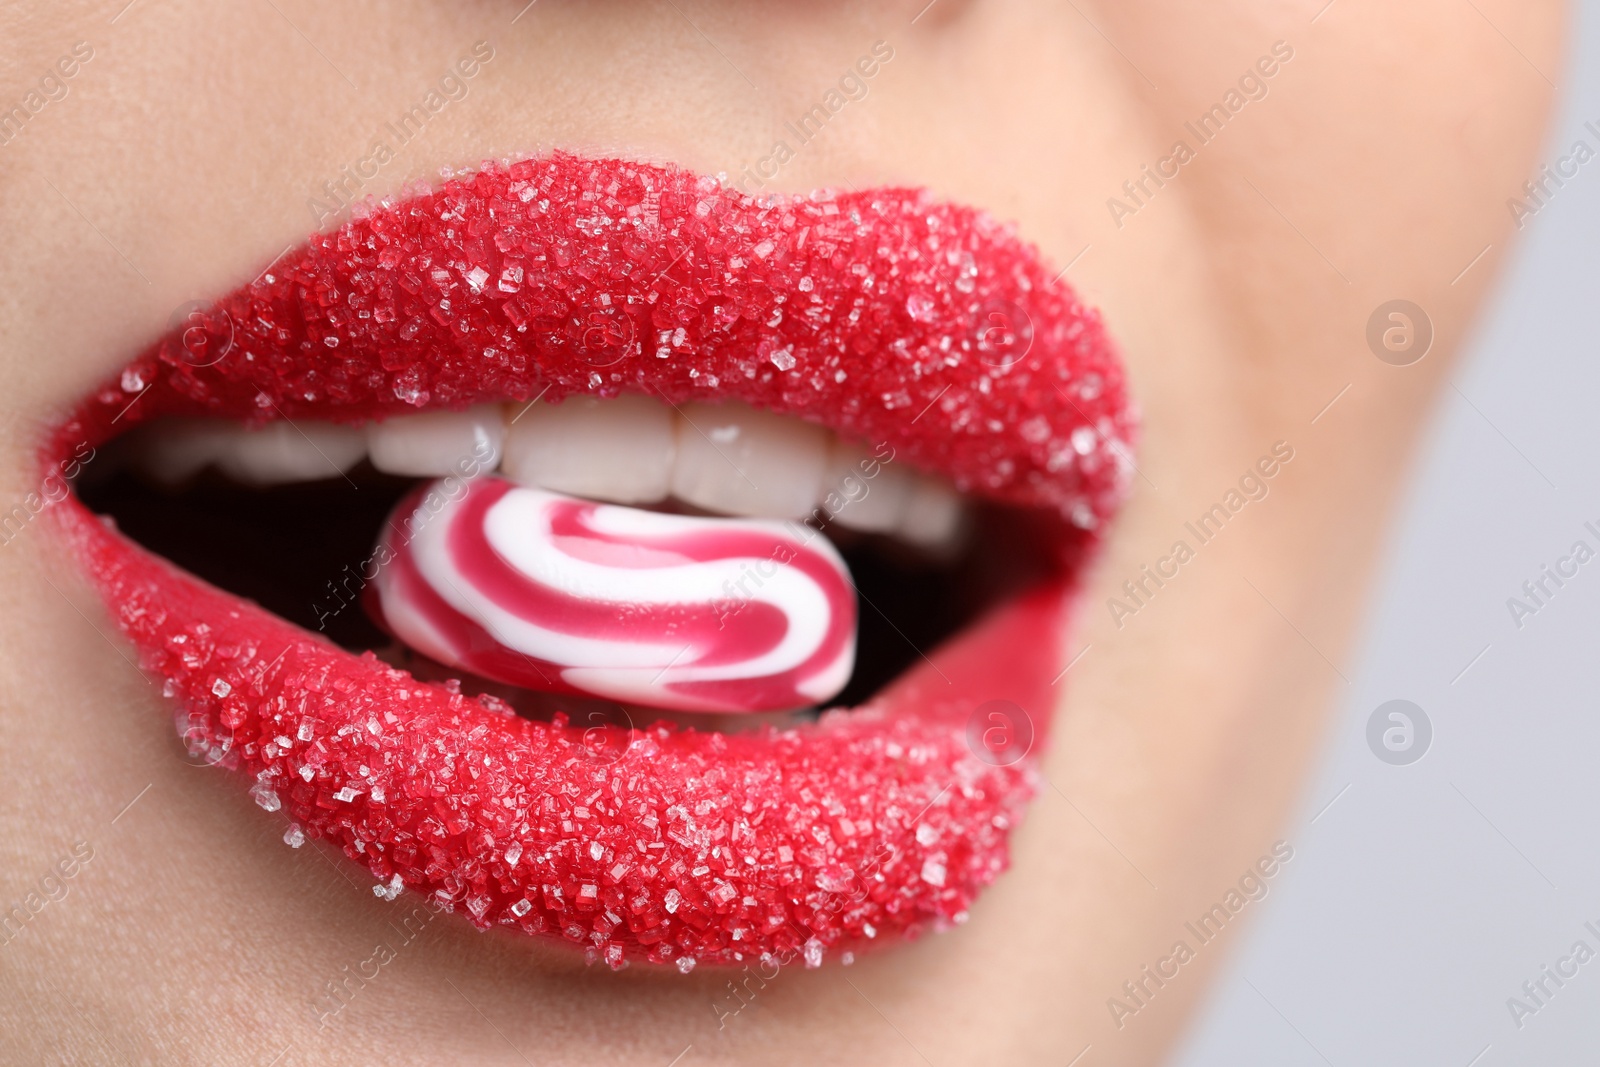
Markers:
<point>894,320</point>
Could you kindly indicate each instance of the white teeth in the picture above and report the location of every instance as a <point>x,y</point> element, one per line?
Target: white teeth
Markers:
<point>933,516</point>
<point>437,443</point>
<point>631,450</point>
<point>619,450</point>
<point>289,452</point>
<point>741,461</point>
<point>173,452</point>
<point>726,458</point>
<point>862,492</point>
<point>278,452</point>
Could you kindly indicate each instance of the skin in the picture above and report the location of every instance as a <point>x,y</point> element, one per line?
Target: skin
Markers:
<point>181,161</point>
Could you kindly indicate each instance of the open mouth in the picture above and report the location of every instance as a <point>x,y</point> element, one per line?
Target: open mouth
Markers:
<point>613,556</point>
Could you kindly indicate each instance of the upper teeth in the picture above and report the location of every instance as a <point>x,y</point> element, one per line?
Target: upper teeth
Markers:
<point>724,458</point>
<point>618,450</point>
<point>745,462</point>
<point>414,444</point>
<point>277,452</point>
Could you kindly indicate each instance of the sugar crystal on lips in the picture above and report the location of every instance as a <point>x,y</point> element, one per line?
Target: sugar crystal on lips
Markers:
<point>674,845</point>
<point>538,589</point>
<point>888,315</point>
<point>600,277</point>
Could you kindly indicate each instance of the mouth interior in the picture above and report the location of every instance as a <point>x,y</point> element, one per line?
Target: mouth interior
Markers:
<point>298,550</point>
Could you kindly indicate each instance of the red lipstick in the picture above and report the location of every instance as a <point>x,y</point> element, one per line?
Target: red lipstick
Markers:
<point>887,316</point>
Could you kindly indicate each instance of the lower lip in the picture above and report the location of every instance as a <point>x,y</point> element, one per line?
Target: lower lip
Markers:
<point>667,845</point>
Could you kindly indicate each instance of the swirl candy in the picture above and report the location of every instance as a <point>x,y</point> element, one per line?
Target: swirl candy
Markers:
<point>554,593</point>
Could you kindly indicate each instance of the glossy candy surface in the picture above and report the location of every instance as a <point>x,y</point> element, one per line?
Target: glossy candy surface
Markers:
<point>546,591</point>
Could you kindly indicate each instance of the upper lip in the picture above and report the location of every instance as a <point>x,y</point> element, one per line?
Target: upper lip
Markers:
<point>958,348</point>
<point>887,315</point>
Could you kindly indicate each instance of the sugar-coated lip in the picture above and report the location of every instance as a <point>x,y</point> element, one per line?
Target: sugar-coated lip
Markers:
<point>886,315</point>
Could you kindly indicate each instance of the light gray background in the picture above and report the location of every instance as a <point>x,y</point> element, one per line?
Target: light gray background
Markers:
<point>1425,895</point>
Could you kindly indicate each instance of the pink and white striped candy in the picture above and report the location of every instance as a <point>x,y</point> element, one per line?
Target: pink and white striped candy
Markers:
<point>554,593</point>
